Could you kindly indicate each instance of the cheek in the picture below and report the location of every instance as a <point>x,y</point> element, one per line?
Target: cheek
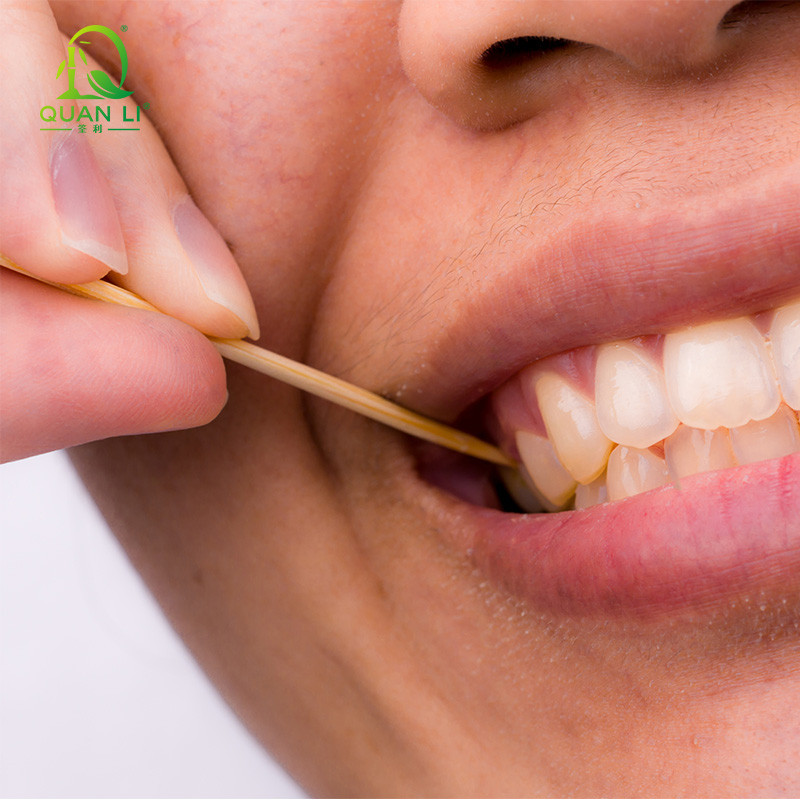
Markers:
<point>285,111</point>
<point>269,116</point>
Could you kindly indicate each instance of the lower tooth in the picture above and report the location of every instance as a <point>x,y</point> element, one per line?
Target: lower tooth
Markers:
<point>774,437</point>
<point>690,451</point>
<point>632,471</point>
<point>591,494</point>
<point>547,475</point>
<point>520,491</point>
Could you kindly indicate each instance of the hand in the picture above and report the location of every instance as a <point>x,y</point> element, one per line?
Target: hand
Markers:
<point>74,207</point>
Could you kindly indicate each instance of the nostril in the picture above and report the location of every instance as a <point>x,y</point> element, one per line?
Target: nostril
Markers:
<point>520,50</point>
<point>738,15</point>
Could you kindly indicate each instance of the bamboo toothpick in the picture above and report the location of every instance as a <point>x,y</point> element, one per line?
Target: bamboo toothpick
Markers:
<point>306,378</point>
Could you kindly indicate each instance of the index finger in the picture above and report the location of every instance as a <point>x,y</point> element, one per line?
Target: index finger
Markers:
<point>57,213</point>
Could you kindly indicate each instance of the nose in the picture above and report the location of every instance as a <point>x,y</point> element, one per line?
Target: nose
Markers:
<point>490,63</point>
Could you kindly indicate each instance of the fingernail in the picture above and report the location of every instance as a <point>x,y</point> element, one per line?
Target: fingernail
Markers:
<point>213,263</point>
<point>85,205</point>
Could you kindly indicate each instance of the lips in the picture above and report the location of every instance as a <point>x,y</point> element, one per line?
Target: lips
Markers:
<point>622,274</point>
<point>720,538</point>
<point>616,273</point>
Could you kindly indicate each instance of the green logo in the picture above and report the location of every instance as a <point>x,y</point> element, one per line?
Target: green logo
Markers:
<point>98,80</point>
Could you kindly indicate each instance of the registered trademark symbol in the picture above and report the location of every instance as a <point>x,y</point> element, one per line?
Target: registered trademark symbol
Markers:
<point>145,106</point>
<point>124,28</point>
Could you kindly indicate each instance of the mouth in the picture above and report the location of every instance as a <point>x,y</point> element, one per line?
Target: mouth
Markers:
<point>602,423</point>
<point>659,450</point>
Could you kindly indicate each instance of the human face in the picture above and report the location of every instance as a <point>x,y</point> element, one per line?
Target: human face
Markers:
<point>429,223</point>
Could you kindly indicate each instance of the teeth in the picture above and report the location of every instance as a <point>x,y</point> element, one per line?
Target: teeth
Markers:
<point>631,396</point>
<point>722,396</point>
<point>572,426</point>
<point>591,494</point>
<point>785,337</point>
<point>690,451</point>
<point>775,437</point>
<point>520,489</point>
<point>632,471</point>
<point>720,375</point>
<point>548,476</point>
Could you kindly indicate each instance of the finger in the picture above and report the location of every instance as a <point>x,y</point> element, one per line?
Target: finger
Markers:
<point>76,370</point>
<point>177,260</point>
<point>57,214</point>
<point>59,190</point>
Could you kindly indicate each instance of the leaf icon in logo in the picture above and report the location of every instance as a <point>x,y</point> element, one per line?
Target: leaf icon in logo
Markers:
<point>104,86</point>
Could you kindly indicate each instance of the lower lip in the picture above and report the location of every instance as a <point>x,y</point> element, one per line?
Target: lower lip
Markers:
<point>719,536</point>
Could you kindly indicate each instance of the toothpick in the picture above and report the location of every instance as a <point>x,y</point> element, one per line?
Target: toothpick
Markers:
<point>306,378</point>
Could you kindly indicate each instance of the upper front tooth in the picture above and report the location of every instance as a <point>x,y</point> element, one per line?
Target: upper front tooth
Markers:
<point>785,337</point>
<point>572,426</point>
<point>631,396</point>
<point>720,375</point>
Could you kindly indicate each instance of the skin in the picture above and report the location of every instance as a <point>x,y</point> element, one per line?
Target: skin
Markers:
<point>291,543</point>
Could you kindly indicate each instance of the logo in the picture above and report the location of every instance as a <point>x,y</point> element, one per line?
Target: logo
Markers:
<point>98,80</point>
<point>92,84</point>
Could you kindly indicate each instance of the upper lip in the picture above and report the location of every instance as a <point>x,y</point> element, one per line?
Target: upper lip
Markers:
<point>616,273</point>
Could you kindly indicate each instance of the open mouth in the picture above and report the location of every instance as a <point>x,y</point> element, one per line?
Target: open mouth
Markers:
<point>602,423</point>
<point>669,454</point>
<point>599,424</point>
<point>673,463</point>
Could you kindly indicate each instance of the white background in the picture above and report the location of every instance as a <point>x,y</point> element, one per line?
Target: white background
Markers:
<point>98,697</point>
